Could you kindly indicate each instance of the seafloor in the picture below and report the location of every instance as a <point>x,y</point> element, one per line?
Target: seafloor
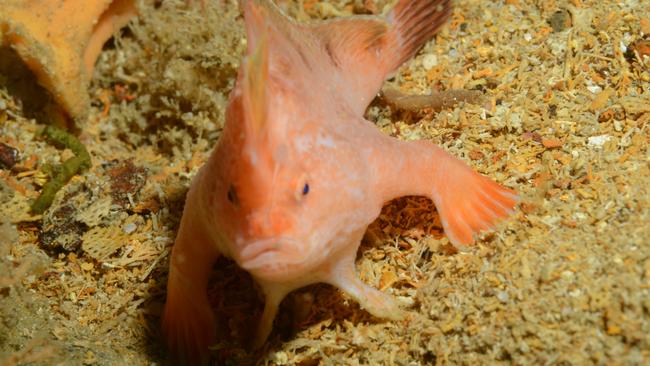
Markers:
<point>563,120</point>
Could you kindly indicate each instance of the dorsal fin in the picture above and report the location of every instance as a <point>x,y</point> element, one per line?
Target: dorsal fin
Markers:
<point>260,16</point>
<point>367,49</point>
<point>394,39</point>
<point>363,50</point>
<point>255,86</point>
<point>264,23</point>
<point>352,38</point>
<point>414,23</point>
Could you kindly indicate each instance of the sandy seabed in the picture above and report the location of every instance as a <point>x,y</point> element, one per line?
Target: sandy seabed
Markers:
<point>563,120</point>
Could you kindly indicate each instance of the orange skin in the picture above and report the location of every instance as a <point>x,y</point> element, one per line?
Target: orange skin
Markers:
<point>60,40</point>
<point>299,174</point>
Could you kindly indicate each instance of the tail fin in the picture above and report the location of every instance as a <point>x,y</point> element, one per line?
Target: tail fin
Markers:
<point>413,23</point>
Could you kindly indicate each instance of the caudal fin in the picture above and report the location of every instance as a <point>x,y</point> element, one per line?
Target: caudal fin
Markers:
<point>413,23</point>
<point>468,202</point>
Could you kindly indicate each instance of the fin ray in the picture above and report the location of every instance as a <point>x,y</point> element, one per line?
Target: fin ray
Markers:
<point>468,202</point>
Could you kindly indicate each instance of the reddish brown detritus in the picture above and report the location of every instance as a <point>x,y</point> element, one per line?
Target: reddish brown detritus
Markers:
<point>126,179</point>
<point>122,93</point>
<point>8,156</point>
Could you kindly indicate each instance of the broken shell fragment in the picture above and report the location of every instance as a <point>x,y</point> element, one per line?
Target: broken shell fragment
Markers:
<point>60,40</point>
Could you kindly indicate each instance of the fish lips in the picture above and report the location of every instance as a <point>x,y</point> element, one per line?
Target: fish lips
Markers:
<point>275,258</point>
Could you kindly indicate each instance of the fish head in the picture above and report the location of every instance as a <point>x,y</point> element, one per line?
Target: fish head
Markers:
<point>287,189</point>
<point>267,198</point>
<point>279,190</point>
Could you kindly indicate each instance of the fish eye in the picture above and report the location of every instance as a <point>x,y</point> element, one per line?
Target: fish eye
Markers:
<point>232,196</point>
<point>302,188</point>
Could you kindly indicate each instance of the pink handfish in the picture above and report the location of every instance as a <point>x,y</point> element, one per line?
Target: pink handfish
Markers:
<point>298,173</point>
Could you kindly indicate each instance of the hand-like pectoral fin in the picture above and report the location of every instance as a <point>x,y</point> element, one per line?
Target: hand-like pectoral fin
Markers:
<point>377,303</point>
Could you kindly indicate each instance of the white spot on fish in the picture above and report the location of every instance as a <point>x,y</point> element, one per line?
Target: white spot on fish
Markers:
<point>303,143</point>
<point>325,140</point>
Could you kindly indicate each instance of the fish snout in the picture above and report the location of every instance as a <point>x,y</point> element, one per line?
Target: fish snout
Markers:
<point>268,224</point>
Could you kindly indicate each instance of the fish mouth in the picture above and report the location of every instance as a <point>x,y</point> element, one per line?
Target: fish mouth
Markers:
<point>274,257</point>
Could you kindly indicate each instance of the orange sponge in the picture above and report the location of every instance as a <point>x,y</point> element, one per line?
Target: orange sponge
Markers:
<point>59,40</point>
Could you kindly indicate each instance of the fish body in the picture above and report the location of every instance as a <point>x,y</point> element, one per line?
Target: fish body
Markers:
<point>298,174</point>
